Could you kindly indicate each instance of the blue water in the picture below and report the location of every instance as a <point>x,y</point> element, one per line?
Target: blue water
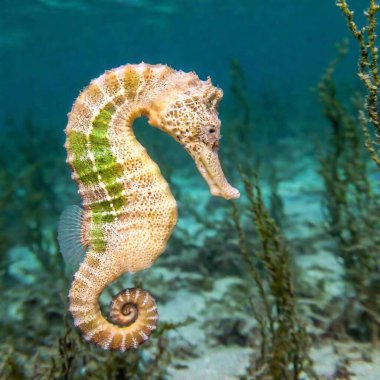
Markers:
<point>51,49</point>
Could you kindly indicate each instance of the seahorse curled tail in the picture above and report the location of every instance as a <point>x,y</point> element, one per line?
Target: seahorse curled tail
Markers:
<point>133,312</point>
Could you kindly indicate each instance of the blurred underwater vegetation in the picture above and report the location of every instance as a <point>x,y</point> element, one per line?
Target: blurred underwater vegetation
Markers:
<point>260,277</point>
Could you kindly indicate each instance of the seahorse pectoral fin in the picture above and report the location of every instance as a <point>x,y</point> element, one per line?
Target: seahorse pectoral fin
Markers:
<point>70,236</point>
<point>208,164</point>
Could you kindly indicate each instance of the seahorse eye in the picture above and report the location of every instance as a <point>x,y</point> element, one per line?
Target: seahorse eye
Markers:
<point>211,130</point>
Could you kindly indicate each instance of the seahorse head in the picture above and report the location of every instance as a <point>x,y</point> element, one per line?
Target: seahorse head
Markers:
<point>190,115</point>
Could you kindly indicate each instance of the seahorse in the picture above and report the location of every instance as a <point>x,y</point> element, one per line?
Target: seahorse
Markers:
<point>128,211</point>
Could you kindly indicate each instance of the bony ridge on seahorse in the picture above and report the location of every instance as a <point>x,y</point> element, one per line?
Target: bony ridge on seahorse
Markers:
<point>128,210</point>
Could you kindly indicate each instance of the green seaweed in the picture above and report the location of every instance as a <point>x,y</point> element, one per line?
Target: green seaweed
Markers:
<point>284,345</point>
<point>351,207</point>
<point>276,204</point>
<point>368,72</point>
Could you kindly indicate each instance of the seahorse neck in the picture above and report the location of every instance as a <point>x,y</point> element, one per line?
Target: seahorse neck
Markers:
<point>150,109</point>
<point>122,131</point>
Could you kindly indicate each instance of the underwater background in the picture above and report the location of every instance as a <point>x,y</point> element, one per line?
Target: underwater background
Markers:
<point>282,283</point>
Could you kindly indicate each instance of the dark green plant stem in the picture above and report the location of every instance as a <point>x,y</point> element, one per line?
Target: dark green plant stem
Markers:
<point>350,207</point>
<point>368,71</point>
<point>284,342</point>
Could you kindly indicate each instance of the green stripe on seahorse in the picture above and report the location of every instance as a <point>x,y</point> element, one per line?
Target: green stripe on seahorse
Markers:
<point>105,162</point>
<point>106,166</point>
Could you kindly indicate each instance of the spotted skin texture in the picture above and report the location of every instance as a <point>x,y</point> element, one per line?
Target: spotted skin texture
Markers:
<point>129,211</point>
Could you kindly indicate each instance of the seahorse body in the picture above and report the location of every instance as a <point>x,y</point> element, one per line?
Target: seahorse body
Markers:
<point>128,210</point>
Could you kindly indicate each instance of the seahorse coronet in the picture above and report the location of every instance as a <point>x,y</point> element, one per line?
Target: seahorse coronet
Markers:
<point>128,210</point>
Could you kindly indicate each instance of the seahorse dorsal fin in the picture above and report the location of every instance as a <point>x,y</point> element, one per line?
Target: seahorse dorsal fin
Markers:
<point>70,235</point>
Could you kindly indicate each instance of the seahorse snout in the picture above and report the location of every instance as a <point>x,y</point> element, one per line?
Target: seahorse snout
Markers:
<point>209,166</point>
<point>232,193</point>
